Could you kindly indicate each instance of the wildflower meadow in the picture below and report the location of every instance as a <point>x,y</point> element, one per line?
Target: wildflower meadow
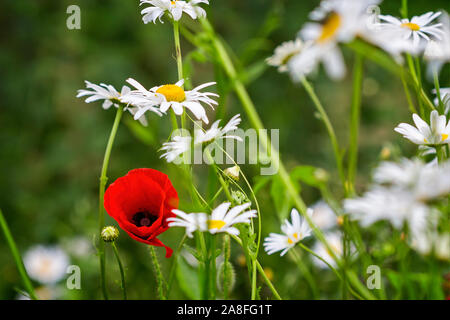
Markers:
<point>225,150</point>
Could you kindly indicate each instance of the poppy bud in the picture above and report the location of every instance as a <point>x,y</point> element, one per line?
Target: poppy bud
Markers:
<point>110,234</point>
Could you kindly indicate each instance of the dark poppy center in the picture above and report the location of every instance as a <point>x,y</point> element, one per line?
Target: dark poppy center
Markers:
<point>144,219</point>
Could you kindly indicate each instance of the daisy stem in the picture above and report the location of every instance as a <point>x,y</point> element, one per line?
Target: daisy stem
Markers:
<point>17,258</point>
<point>261,272</point>
<point>306,273</point>
<point>158,274</point>
<point>438,92</point>
<point>354,122</point>
<point>404,9</point>
<point>250,109</point>
<point>337,153</point>
<point>122,272</point>
<point>412,108</point>
<point>101,212</point>
<point>176,36</point>
<point>174,264</point>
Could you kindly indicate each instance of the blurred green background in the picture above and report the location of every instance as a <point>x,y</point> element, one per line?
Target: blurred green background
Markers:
<point>52,144</point>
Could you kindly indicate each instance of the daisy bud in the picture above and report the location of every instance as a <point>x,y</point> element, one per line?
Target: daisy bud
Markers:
<point>110,234</point>
<point>321,175</point>
<point>238,197</point>
<point>232,172</point>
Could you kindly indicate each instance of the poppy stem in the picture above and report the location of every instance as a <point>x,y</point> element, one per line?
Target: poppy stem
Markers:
<point>17,258</point>
<point>122,273</point>
<point>101,195</point>
<point>158,274</point>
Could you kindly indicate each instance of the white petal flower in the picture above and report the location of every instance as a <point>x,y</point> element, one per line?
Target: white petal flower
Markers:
<point>46,264</point>
<point>191,221</point>
<point>175,148</point>
<point>283,53</point>
<point>174,8</point>
<point>323,216</point>
<point>445,97</point>
<point>395,205</point>
<point>181,144</point>
<point>342,21</point>
<point>105,92</point>
<point>334,240</point>
<point>173,96</point>
<point>215,132</point>
<point>438,132</point>
<point>292,234</point>
<point>418,30</point>
<point>222,219</point>
<point>111,97</point>
<point>437,51</point>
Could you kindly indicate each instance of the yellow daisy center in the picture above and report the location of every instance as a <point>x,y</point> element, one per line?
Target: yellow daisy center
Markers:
<point>444,136</point>
<point>216,224</point>
<point>330,27</point>
<point>172,92</point>
<point>412,26</point>
<point>290,241</point>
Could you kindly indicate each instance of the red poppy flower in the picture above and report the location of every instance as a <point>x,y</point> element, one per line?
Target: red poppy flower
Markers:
<point>141,202</point>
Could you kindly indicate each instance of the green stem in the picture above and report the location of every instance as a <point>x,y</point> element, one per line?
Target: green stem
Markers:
<point>412,108</point>
<point>158,274</point>
<point>17,258</point>
<point>174,264</point>
<point>306,273</point>
<point>122,272</point>
<point>354,122</point>
<point>256,122</point>
<point>326,120</point>
<point>226,254</point>
<point>261,272</point>
<point>441,107</point>
<point>176,36</point>
<point>101,194</point>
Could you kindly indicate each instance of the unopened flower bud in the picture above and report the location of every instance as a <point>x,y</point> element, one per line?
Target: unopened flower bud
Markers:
<point>232,172</point>
<point>110,234</point>
<point>238,197</point>
<point>321,175</point>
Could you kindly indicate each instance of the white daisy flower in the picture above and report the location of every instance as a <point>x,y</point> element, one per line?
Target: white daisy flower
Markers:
<point>445,97</point>
<point>216,132</point>
<point>175,148</point>
<point>334,240</point>
<point>111,97</point>
<point>323,216</point>
<point>283,53</point>
<point>175,97</point>
<point>47,265</point>
<point>182,144</point>
<point>419,29</point>
<point>395,205</point>
<point>223,220</point>
<point>433,182</point>
<point>438,132</point>
<point>437,51</point>
<point>403,174</point>
<point>341,21</point>
<point>191,221</point>
<point>292,234</point>
<point>174,8</point>
<point>105,92</point>
<point>423,181</point>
